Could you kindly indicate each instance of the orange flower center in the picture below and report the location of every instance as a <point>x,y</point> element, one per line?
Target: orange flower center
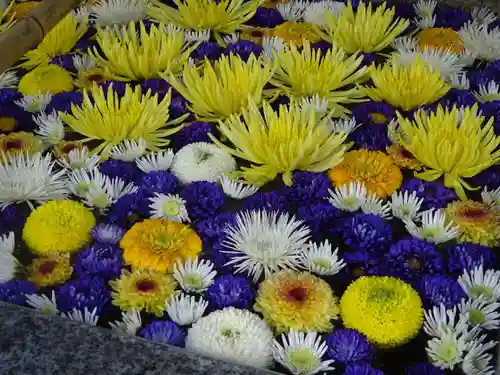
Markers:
<point>47,267</point>
<point>474,213</point>
<point>13,144</point>
<point>298,294</point>
<point>145,286</point>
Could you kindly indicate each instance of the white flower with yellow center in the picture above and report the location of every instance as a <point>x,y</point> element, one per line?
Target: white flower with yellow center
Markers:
<point>236,189</point>
<point>85,316</point>
<point>481,313</point>
<point>321,259</point>
<point>232,38</point>
<point>130,323</point>
<point>185,310</point>
<point>483,16</point>
<point>104,197</point>
<point>316,12</point>
<point>425,8</point>
<point>194,275</point>
<point>43,303</point>
<point>292,10</point>
<point>488,93</point>
<point>49,127</point>
<point>80,159</point>
<point>459,81</point>
<point>118,12</point>
<point>197,35</point>
<point>349,197</point>
<point>491,197</point>
<point>405,206</point>
<point>129,150</point>
<point>169,207</point>
<point>479,284</point>
<point>316,104</point>
<point>155,161</point>
<point>478,361</point>
<point>446,351</point>
<point>35,103</point>
<point>8,80</point>
<point>376,206</point>
<point>83,62</point>
<point>434,227</point>
<point>8,262</point>
<point>481,41</point>
<point>439,321</point>
<point>344,125</point>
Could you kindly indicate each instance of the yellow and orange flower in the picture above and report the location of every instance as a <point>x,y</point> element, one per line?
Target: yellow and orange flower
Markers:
<point>403,158</point>
<point>50,270</point>
<point>19,143</point>
<point>296,32</point>
<point>440,38</point>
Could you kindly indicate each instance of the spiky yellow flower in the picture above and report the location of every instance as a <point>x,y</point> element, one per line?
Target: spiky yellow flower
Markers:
<point>46,78</point>
<point>50,270</point>
<point>281,142</point>
<point>158,244</point>
<point>385,309</point>
<point>296,32</point>
<point>224,16</point>
<point>223,87</point>
<point>7,17</point>
<point>300,301</point>
<point>309,72</point>
<point>59,41</point>
<point>403,158</point>
<point>128,54</point>
<point>19,143</point>
<point>456,143</point>
<point>440,38</point>
<point>477,222</point>
<point>111,119</point>
<point>143,290</point>
<point>406,86</point>
<point>364,29</point>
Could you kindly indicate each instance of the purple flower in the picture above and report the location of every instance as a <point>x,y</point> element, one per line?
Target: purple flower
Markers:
<point>12,218</point>
<point>118,87</point>
<point>158,182</point>
<point>105,261</point>
<point>433,193</point>
<point>467,256</point>
<point>489,178</point>
<point>178,107</point>
<point>451,17</point>
<point>128,209</point>
<point>367,232</point>
<point>308,187</point>
<point>195,132</point>
<point>371,137</point>
<point>436,289</point>
<point>492,109</point>
<point>212,229</point>
<point>108,234</point>
<point>126,171</point>
<point>322,218</point>
<point>270,201</point>
<point>14,291</point>
<point>423,369</point>
<point>164,331</point>
<point>229,290</point>
<point>361,263</point>
<point>219,256</point>
<point>210,50</point>
<point>157,86</point>
<point>458,98</point>
<point>89,292</point>
<point>64,100</point>
<point>348,346</point>
<point>361,369</point>
<point>244,48</point>
<point>64,61</point>
<point>322,46</point>
<point>203,199</point>
<point>266,17</point>
<point>373,113</point>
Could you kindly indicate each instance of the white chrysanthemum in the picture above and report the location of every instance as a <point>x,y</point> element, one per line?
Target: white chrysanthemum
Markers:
<point>321,259</point>
<point>349,197</point>
<point>8,262</point>
<point>80,159</point>
<point>202,161</point>
<point>292,10</point>
<point>27,178</point>
<point>482,313</point>
<point>405,206</point>
<point>480,41</point>
<point>491,197</point>
<point>35,103</point>
<point>155,161</point>
<point>483,16</point>
<point>196,35</point>
<point>234,335</point>
<point>479,284</point>
<point>8,80</point>
<point>103,197</point>
<point>83,62</point>
<point>43,303</point>
<point>425,22</point>
<point>439,321</point>
<point>488,93</point>
<point>170,207</point>
<point>446,351</point>
<point>263,242</point>
<point>460,81</point>
<point>194,275</point>
<point>129,150</point>
<point>466,58</point>
<point>344,125</point>
<point>477,361</point>
<point>272,46</point>
<point>111,12</point>
<point>50,127</point>
<point>375,206</point>
<point>425,8</point>
<point>232,38</point>
<point>434,227</point>
<point>81,180</point>
<point>87,317</point>
<point>184,309</point>
<point>316,12</point>
<point>130,323</point>
<point>301,353</point>
<point>236,189</point>
<point>317,104</point>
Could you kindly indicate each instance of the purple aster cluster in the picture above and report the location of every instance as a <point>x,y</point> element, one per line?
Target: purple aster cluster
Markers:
<point>128,209</point>
<point>467,256</point>
<point>126,171</point>
<point>108,234</point>
<point>434,194</point>
<point>307,187</point>
<point>367,232</point>
<point>270,201</point>
<point>212,229</point>
<point>161,182</point>
<point>178,107</point>
<point>489,178</point>
<point>371,137</point>
<point>105,261</point>
<point>362,263</point>
<point>209,50</point>
<point>348,346</point>
<point>373,113</point>
<point>229,290</point>
<point>243,48</point>
<point>88,292</point>
<point>361,369</point>
<point>266,17</point>
<point>159,87</point>
<point>437,289</point>
<point>164,331</point>
<point>63,101</point>
<point>423,369</point>
<point>322,218</point>
<point>193,133</point>
<point>15,291</point>
<point>203,199</point>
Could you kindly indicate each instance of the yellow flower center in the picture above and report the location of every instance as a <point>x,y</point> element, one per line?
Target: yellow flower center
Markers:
<point>171,208</point>
<point>296,32</point>
<point>146,286</point>
<point>379,118</point>
<point>322,262</point>
<point>476,317</point>
<point>302,359</point>
<point>193,281</point>
<point>448,351</point>
<point>440,39</point>
<point>414,262</point>
<point>481,290</point>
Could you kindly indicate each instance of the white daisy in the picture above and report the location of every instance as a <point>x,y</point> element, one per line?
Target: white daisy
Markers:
<point>234,335</point>
<point>184,309</point>
<point>87,317</point>
<point>344,125</point>
<point>349,197</point>
<point>460,81</point>
<point>491,197</point>
<point>83,62</point>
<point>8,80</point>
<point>111,12</point>
<point>236,189</point>
<point>321,259</point>
<point>80,159</point>
<point>292,10</point>
<point>103,198</point>
<point>434,227</point>
<point>8,262</point>
<point>202,161</point>
<point>316,12</point>
<point>263,242</point>
<point>35,103</point>
<point>466,58</point>
<point>482,313</point>
<point>425,8</point>
<point>232,38</point>
<point>81,180</point>
<point>130,323</point>
<point>272,46</point>
<point>129,150</point>
<point>43,303</point>
<point>483,16</point>
<point>477,361</point>
<point>194,275</point>
<point>446,351</point>
<point>488,93</point>
<point>316,103</point>
<point>155,161</point>
<point>375,206</point>
<point>170,207</point>
<point>481,285</point>
<point>480,41</point>
<point>197,35</point>
<point>439,321</point>
<point>405,206</point>
<point>301,353</point>
<point>50,127</point>
<point>26,178</point>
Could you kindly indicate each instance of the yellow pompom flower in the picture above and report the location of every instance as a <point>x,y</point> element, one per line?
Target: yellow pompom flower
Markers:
<point>386,310</point>
<point>158,244</point>
<point>143,290</point>
<point>456,143</point>
<point>281,142</point>
<point>50,270</point>
<point>296,300</point>
<point>46,78</point>
<point>224,16</point>
<point>296,32</point>
<point>477,222</point>
<point>439,38</point>
<point>363,30</point>
<point>374,169</point>
<point>129,55</point>
<point>19,143</point>
<point>309,72</point>
<point>7,17</point>
<point>406,86</point>
<point>58,227</point>
<point>223,88</point>
<point>58,41</point>
<point>111,119</point>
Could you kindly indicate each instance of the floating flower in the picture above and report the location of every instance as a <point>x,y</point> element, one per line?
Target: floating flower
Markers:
<point>155,161</point>
<point>367,231</point>
<point>434,227</point>
<point>112,12</point>
<point>467,256</point>
<point>19,143</point>
<point>58,227</point>
<point>194,275</point>
<point>46,79</point>
<point>437,289</point>
<point>348,346</point>
<point>164,331</point>
<point>142,289</point>
<point>105,261</point>
<point>480,284</point>
<point>158,243</point>
<point>481,313</point>
<point>50,270</point>
<point>90,293</point>
<point>385,309</point>
<point>130,323</point>
<point>300,301</point>
<point>185,310</point>
<point>321,259</point>
<point>440,38</point>
<point>203,199</point>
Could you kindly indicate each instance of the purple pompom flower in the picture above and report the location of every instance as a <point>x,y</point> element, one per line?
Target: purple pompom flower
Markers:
<point>193,133</point>
<point>229,290</point>
<point>127,171</point>
<point>157,86</point>
<point>64,100</point>
<point>436,289</point>
<point>164,331</point>
<point>348,346</point>
<point>89,292</point>
<point>423,369</point>
<point>178,107</point>
<point>212,229</point>
<point>374,113</point>
<point>367,232</point>
<point>322,218</point>
<point>203,199</point>
<point>371,137</point>
<point>210,50</point>
<point>128,209</point>
<point>434,194</point>
<point>108,234</point>
<point>266,17</point>
<point>361,369</point>
<point>361,263</point>
<point>270,201</point>
<point>105,261</point>
<point>14,291</point>
<point>158,182</point>
<point>243,48</point>
<point>467,256</point>
<point>308,187</point>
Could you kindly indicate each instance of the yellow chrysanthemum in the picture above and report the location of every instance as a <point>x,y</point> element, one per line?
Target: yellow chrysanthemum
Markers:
<point>143,290</point>
<point>439,38</point>
<point>385,309</point>
<point>281,142</point>
<point>129,55</point>
<point>85,79</point>
<point>478,222</point>
<point>158,244</point>
<point>296,32</point>
<point>7,17</point>
<point>19,143</point>
<point>63,148</point>
<point>407,86</point>
<point>255,34</point>
<point>47,78</point>
<point>21,9</point>
<point>223,88</point>
<point>224,16</point>
<point>363,30</point>
<point>58,227</point>
<point>59,41</point>
<point>403,158</point>
<point>111,119</point>
<point>372,168</point>
<point>456,143</point>
<point>50,270</point>
<point>296,300</point>
<point>7,124</point>
<point>309,72</point>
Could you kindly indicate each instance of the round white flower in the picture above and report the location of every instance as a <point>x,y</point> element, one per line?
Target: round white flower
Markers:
<point>322,259</point>
<point>479,284</point>
<point>236,189</point>
<point>481,313</point>
<point>170,207</point>
<point>184,309</point>
<point>194,275</point>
